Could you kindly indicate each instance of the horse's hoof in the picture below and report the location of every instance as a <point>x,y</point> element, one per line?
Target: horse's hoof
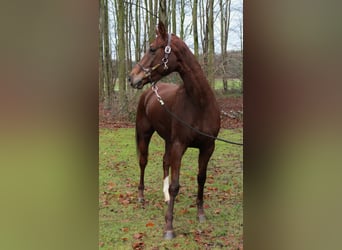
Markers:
<point>201,218</point>
<point>141,200</point>
<point>169,235</point>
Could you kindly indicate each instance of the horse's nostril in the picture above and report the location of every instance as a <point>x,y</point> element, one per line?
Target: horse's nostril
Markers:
<point>130,81</point>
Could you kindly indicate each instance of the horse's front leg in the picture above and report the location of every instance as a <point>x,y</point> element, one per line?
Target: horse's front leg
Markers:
<point>166,167</point>
<point>177,151</point>
<point>203,160</point>
<point>173,190</point>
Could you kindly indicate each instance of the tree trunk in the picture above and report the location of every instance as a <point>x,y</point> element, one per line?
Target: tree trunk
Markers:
<point>152,25</point>
<point>146,28</point>
<point>225,23</point>
<point>241,44</point>
<point>137,32</point>
<point>107,69</point>
<point>204,34</point>
<point>128,33</point>
<point>182,17</point>
<point>162,13</point>
<point>121,57</point>
<point>174,17</point>
<point>195,31</point>
<point>101,75</point>
<point>129,24</point>
<point>211,48</point>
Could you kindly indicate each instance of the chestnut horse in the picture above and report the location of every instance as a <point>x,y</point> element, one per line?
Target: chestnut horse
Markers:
<point>193,102</point>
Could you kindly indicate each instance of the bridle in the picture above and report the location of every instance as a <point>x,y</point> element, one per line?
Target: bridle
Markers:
<point>165,60</point>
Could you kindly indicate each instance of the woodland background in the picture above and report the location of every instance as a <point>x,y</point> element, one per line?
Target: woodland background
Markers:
<point>127,27</point>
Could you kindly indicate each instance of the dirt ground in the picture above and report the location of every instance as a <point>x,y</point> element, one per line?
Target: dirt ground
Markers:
<point>231,112</point>
<point>231,115</point>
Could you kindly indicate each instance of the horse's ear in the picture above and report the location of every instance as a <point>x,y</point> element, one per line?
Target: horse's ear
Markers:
<point>161,31</point>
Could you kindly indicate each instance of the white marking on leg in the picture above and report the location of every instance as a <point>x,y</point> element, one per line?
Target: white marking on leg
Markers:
<point>166,189</point>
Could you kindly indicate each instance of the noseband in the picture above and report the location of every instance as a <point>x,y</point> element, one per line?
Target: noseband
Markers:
<point>165,60</point>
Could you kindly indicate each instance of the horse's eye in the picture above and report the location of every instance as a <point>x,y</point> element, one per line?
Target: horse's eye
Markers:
<point>152,49</point>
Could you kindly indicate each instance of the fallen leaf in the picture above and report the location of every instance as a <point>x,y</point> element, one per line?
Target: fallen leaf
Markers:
<point>217,211</point>
<point>110,186</point>
<point>184,211</point>
<point>124,202</point>
<point>138,245</point>
<point>138,236</point>
<point>150,224</point>
<point>176,245</point>
<point>124,229</point>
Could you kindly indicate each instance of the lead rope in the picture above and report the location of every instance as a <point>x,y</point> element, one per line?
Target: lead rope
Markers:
<point>162,103</point>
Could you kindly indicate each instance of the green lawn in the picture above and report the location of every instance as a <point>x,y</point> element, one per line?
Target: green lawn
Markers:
<point>126,224</point>
<point>234,85</point>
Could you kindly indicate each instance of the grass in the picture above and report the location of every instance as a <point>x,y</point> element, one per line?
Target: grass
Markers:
<point>127,224</point>
<point>234,85</point>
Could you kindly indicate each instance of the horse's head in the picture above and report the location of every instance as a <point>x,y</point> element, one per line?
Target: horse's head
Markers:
<point>157,62</point>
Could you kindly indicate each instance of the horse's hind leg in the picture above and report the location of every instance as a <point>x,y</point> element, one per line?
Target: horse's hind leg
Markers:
<point>143,138</point>
<point>203,159</point>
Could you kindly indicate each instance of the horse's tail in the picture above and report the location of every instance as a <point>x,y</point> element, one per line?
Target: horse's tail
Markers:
<point>143,131</point>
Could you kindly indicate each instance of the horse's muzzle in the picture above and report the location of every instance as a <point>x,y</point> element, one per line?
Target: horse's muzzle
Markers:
<point>135,85</point>
<point>138,85</point>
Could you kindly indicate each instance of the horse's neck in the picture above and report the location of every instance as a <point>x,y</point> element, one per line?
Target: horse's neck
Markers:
<point>195,83</point>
